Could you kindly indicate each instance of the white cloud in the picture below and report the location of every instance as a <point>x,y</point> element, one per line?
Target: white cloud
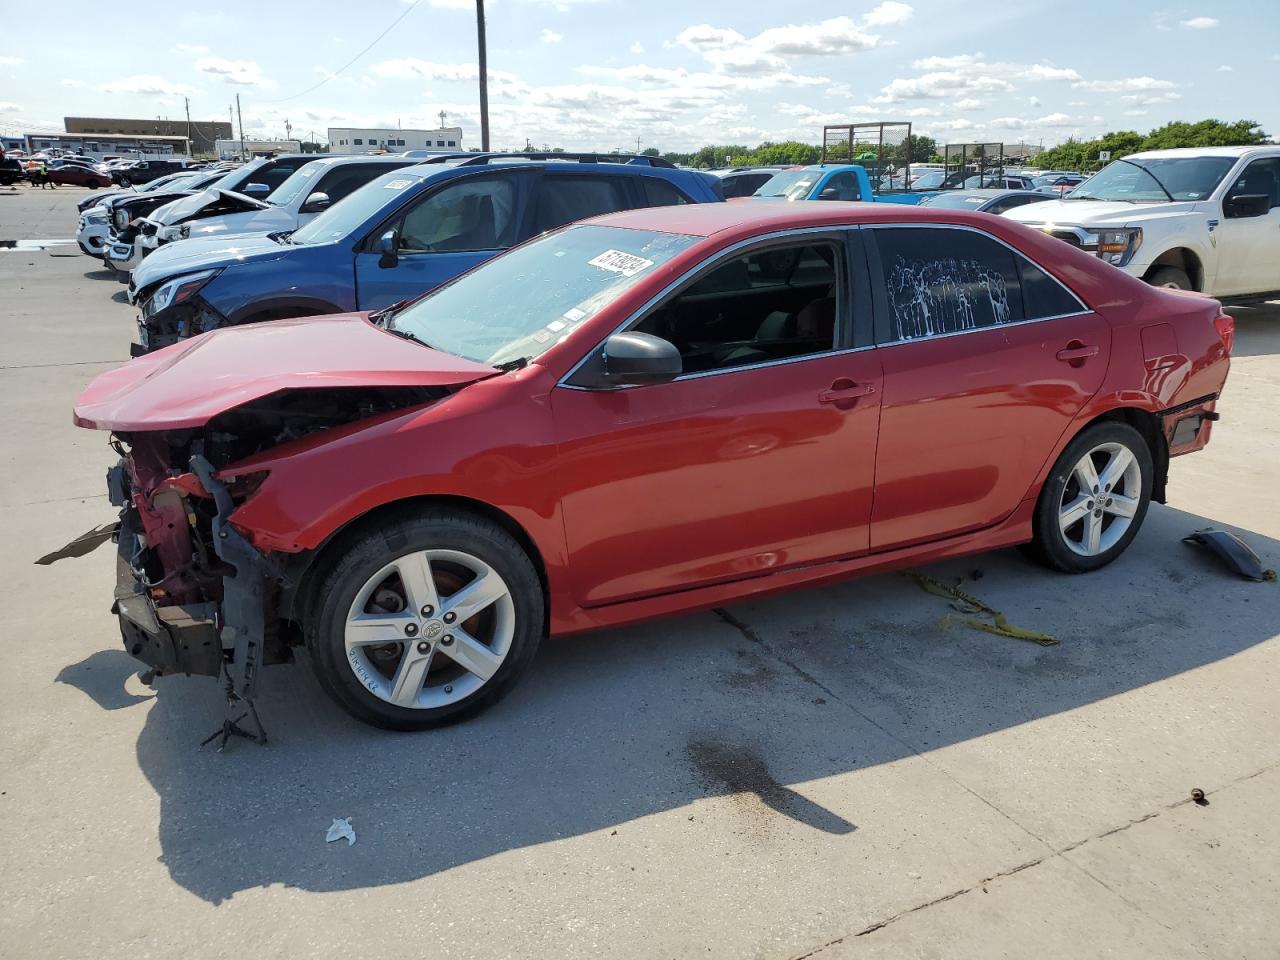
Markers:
<point>1034,101</point>
<point>969,103</point>
<point>147,84</point>
<point>968,73</point>
<point>1225,68</point>
<point>1125,84</point>
<point>190,48</point>
<point>455,4</point>
<point>703,37</point>
<point>834,37</point>
<point>10,61</point>
<point>74,83</point>
<point>1148,99</point>
<point>889,14</point>
<point>6,107</point>
<point>637,47</point>
<point>1198,23</point>
<point>550,36</point>
<point>1136,113</point>
<point>245,73</point>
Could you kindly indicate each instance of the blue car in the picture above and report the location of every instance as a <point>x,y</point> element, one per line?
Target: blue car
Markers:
<point>395,238</point>
<point>828,181</point>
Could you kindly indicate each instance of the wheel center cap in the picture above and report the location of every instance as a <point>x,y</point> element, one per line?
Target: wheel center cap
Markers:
<point>432,629</point>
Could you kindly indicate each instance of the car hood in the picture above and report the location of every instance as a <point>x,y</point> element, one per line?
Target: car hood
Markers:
<point>245,221</point>
<point>1095,213</point>
<point>190,207</point>
<point>188,384</point>
<point>159,198</point>
<point>201,253</point>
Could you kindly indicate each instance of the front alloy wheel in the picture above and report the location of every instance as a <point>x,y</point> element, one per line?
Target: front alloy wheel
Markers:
<point>423,618</point>
<point>430,628</point>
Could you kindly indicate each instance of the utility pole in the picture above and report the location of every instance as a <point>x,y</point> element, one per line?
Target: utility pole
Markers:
<point>484,78</point>
<point>187,103</point>
<point>240,120</point>
<point>288,130</point>
<point>637,144</point>
<point>442,115</point>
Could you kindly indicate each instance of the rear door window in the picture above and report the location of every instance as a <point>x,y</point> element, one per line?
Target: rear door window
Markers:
<point>563,198</point>
<point>661,193</point>
<point>345,179</point>
<point>941,281</point>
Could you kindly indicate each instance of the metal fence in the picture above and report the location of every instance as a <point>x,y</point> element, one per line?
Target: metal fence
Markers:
<point>964,161</point>
<point>883,149</point>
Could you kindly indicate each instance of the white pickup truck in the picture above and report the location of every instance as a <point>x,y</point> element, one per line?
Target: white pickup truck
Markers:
<point>1204,219</point>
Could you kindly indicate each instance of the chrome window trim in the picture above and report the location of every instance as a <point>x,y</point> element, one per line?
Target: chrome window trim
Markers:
<point>825,231</point>
<point>1082,312</point>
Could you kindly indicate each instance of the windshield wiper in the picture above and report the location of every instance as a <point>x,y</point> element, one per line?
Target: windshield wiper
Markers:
<point>407,335</point>
<point>1152,176</point>
<point>519,363</point>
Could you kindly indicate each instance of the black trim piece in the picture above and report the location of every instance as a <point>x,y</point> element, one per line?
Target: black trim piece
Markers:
<point>1187,406</point>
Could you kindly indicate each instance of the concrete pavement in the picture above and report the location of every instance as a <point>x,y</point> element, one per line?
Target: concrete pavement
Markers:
<point>834,773</point>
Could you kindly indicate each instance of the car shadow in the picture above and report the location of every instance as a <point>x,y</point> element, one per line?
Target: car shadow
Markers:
<point>120,296</point>
<point>103,274</point>
<point>752,703</point>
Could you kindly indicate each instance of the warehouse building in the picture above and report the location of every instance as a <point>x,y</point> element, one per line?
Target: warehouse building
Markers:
<point>375,140</point>
<point>105,146</point>
<point>201,133</point>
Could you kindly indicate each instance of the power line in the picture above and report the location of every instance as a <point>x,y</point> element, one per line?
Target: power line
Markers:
<point>352,60</point>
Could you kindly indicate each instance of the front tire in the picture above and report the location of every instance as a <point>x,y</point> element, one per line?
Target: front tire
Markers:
<point>425,619</point>
<point>1170,278</point>
<point>1094,500</point>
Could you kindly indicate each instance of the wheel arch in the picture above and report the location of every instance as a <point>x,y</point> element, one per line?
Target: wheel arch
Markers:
<point>305,570</point>
<point>1184,259</point>
<point>1147,424</point>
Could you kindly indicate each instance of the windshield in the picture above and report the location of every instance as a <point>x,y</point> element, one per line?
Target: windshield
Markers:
<point>341,219</point>
<point>962,201</point>
<point>791,184</point>
<point>927,180</point>
<point>298,182</point>
<point>1147,180</point>
<point>525,301</point>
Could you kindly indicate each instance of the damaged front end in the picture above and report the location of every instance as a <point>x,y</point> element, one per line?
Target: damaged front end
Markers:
<point>193,594</point>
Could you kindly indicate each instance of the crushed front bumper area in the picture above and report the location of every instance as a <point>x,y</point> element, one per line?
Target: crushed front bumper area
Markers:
<point>222,625</point>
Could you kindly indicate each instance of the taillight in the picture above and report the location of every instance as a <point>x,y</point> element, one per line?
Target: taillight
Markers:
<point>1226,327</point>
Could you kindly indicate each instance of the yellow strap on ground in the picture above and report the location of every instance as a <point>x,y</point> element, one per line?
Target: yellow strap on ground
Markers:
<point>1000,625</point>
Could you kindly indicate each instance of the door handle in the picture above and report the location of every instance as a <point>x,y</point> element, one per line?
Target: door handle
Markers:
<point>845,389</point>
<point>1076,353</point>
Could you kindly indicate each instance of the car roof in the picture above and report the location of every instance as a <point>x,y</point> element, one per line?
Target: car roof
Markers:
<point>389,159</point>
<point>988,193</point>
<point>1201,152</point>
<point>766,216</point>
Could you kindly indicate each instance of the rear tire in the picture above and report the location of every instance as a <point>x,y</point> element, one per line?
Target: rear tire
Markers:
<point>425,619</point>
<point>1094,500</point>
<point>1170,277</point>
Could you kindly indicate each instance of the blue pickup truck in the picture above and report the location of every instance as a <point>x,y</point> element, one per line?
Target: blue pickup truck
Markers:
<point>829,181</point>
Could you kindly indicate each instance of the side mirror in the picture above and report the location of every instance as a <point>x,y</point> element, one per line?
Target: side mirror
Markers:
<point>315,203</point>
<point>388,246</point>
<point>256,190</point>
<point>640,358</point>
<point>830,193</point>
<point>1246,205</point>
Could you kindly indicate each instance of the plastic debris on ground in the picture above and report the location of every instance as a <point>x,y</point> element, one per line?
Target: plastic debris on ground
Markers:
<point>341,828</point>
<point>964,603</point>
<point>1234,552</point>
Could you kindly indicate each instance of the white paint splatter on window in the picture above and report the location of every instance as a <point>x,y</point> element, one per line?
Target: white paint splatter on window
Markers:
<point>929,297</point>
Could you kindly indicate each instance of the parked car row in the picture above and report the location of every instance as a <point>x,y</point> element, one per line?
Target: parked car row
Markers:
<point>475,418</point>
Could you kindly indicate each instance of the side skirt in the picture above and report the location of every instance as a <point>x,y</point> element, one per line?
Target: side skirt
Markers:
<point>1016,529</point>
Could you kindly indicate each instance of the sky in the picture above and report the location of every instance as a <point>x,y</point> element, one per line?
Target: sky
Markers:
<point>606,74</point>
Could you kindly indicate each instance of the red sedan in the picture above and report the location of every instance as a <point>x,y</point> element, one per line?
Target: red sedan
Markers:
<point>640,415</point>
<point>78,175</point>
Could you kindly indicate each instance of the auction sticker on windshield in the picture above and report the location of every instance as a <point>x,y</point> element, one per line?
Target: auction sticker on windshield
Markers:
<point>615,261</point>
<point>396,184</point>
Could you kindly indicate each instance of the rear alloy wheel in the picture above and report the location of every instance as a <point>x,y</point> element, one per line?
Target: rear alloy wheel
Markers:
<point>426,620</point>
<point>1170,278</point>
<point>1094,500</point>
